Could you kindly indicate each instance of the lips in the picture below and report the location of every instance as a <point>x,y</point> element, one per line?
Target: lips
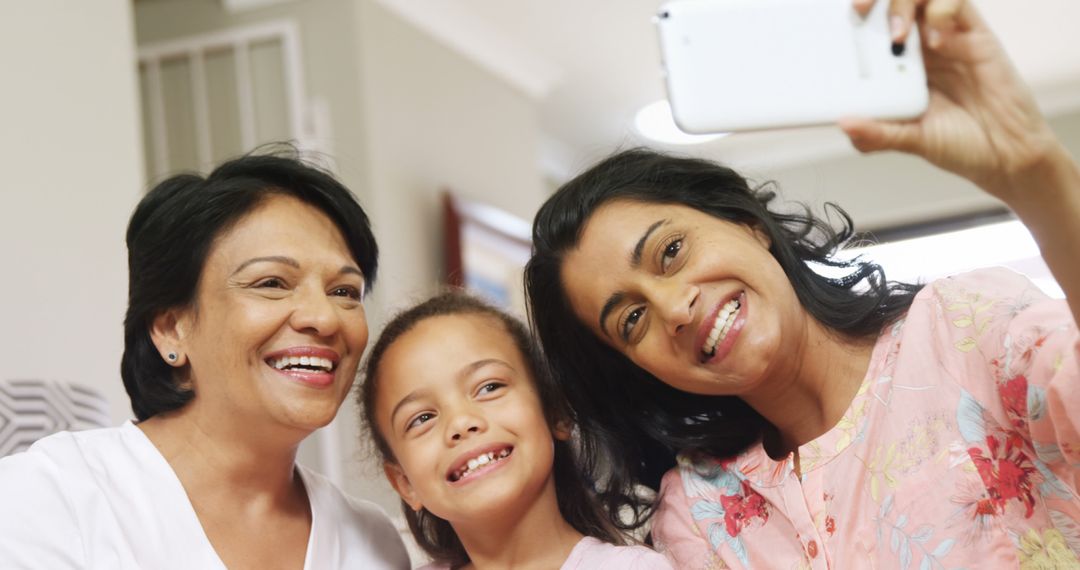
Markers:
<point>311,365</point>
<point>719,330</point>
<point>474,462</point>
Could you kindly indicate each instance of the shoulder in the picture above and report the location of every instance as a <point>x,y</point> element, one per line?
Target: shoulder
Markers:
<point>60,456</point>
<point>987,284</point>
<point>359,524</point>
<point>37,473</point>
<point>45,490</point>
<point>972,314</point>
<point>593,553</point>
<point>983,308</point>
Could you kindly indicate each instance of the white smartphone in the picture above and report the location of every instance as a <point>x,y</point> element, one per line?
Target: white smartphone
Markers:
<point>737,65</point>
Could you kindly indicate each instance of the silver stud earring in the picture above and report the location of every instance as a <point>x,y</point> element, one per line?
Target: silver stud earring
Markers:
<point>171,357</point>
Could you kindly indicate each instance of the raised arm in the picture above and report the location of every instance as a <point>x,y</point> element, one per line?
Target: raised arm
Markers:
<point>982,123</point>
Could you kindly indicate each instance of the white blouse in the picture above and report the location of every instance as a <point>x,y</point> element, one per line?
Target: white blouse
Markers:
<point>106,498</point>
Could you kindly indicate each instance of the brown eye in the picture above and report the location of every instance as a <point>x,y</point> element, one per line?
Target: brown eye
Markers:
<point>631,320</point>
<point>420,419</point>
<point>347,291</point>
<point>670,253</point>
<point>490,387</point>
<point>271,283</point>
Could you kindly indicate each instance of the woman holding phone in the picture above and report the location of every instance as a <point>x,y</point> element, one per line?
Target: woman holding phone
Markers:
<point>827,422</point>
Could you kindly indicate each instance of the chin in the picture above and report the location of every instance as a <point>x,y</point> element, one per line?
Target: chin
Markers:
<point>496,503</point>
<point>309,420</point>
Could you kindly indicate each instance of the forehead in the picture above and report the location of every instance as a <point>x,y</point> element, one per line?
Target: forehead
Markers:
<point>435,350</point>
<point>280,221</point>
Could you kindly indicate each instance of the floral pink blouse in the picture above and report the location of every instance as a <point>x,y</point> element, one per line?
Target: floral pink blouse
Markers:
<point>961,450</point>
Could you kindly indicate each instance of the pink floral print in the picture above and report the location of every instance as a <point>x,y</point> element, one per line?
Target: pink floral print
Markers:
<point>960,450</point>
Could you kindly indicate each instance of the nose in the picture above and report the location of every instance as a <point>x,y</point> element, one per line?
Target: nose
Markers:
<point>673,301</point>
<point>464,423</point>
<point>315,313</point>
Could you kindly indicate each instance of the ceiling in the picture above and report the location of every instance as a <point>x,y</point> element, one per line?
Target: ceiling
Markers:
<point>590,65</point>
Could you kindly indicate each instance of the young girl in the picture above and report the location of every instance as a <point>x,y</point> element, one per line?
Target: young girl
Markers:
<point>475,439</point>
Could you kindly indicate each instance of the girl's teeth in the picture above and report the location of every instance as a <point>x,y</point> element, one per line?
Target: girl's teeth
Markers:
<point>480,461</point>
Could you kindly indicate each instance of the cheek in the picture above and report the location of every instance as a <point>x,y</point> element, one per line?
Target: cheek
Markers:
<point>246,325</point>
<point>420,466</point>
<point>357,330</point>
<point>656,356</point>
<point>537,428</point>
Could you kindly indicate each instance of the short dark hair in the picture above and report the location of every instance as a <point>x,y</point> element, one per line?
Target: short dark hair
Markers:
<point>435,535</point>
<point>171,233</point>
<point>626,413</point>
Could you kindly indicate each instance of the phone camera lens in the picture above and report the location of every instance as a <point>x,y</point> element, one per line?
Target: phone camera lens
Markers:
<point>664,15</point>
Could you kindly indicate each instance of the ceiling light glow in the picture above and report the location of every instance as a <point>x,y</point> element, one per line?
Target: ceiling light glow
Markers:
<point>654,122</point>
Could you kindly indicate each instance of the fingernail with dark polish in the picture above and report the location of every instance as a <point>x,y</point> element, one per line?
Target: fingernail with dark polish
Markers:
<point>898,48</point>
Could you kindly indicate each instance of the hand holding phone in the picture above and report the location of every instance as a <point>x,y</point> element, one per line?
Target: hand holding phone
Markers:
<point>760,64</point>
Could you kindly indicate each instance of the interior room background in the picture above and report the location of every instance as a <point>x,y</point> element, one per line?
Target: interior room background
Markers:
<point>404,99</point>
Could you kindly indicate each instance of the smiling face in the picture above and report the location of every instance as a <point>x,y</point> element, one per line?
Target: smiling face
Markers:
<point>277,328</point>
<point>458,408</point>
<point>697,301</point>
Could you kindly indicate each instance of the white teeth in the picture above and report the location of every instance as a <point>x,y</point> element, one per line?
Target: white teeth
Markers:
<point>478,462</point>
<point>724,320</point>
<point>314,361</point>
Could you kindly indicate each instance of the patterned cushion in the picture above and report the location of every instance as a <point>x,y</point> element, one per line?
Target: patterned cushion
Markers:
<point>33,409</point>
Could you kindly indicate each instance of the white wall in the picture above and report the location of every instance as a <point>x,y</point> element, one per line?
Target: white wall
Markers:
<point>71,158</point>
<point>436,120</point>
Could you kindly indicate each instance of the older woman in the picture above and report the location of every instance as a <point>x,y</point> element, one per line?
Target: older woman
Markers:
<point>244,330</point>
<point>846,423</point>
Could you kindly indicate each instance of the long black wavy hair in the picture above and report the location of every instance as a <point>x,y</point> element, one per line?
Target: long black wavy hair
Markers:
<point>631,422</point>
<point>436,536</point>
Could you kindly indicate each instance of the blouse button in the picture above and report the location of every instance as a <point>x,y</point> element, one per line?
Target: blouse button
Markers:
<point>811,549</point>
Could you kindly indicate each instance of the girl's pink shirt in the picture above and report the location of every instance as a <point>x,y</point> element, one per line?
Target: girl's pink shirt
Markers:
<point>961,449</point>
<point>590,553</point>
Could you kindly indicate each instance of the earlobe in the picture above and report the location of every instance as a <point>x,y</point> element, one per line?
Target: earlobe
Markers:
<point>563,430</point>
<point>400,482</point>
<point>168,331</point>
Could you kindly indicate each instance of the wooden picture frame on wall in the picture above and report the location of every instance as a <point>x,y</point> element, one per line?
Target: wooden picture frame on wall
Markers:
<point>486,250</point>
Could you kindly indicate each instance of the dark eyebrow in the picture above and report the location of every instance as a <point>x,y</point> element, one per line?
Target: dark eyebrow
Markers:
<point>635,262</point>
<point>292,263</point>
<point>639,247</point>
<point>351,269</point>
